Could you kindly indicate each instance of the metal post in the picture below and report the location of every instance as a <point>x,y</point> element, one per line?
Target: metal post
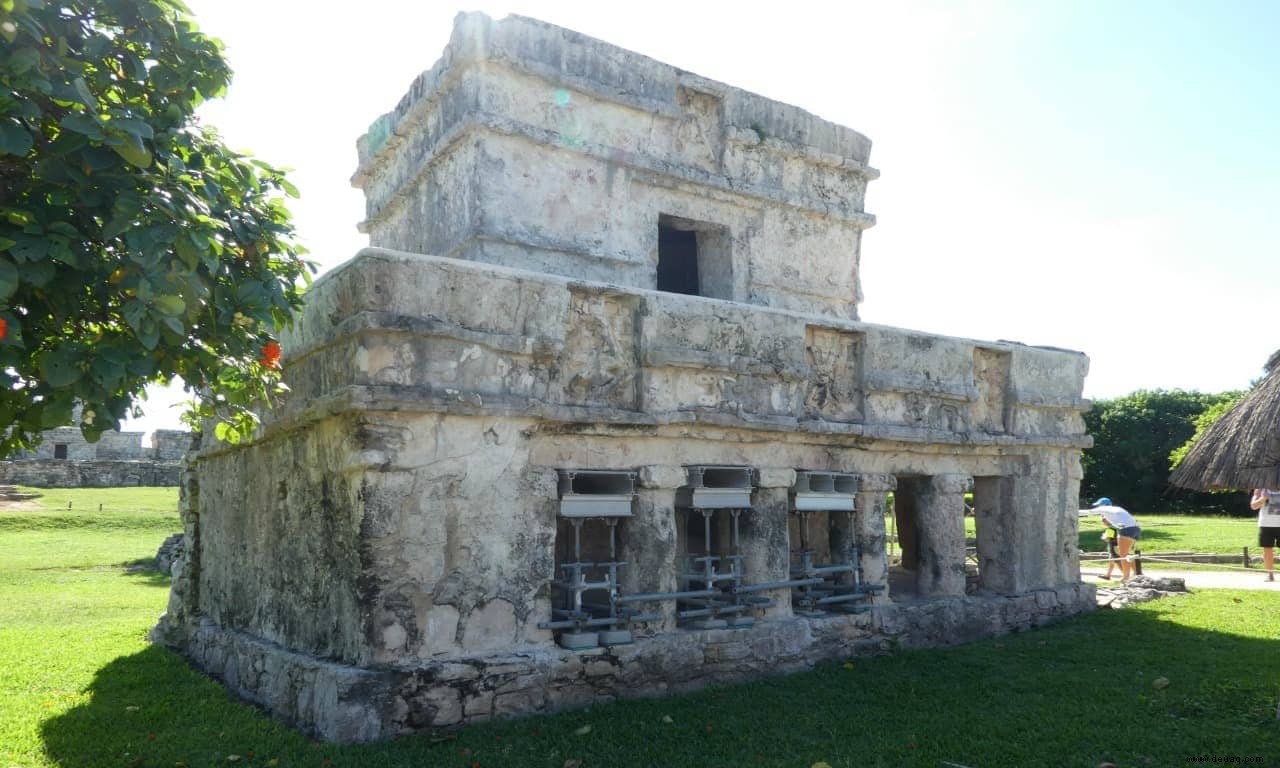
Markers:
<point>706,531</point>
<point>856,554</point>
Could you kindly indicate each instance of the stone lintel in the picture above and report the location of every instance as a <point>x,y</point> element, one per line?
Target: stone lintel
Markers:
<point>876,483</point>
<point>951,483</point>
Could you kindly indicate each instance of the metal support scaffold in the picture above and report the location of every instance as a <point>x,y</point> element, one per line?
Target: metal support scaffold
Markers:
<point>839,585</point>
<point>714,588</point>
<point>588,623</point>
<point>588,611</point>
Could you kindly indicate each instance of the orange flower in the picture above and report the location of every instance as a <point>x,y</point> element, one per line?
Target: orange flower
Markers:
<point>4,327</point>
<point>270,356</point>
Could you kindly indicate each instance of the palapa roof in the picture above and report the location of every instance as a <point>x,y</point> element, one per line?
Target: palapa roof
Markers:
<point>1242,449</point>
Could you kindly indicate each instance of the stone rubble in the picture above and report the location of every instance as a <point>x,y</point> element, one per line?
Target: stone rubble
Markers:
<point>1139,589</point>
<point>171,550</point>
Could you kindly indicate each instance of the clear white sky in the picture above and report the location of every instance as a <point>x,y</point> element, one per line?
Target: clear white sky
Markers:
<point>1099,176</point>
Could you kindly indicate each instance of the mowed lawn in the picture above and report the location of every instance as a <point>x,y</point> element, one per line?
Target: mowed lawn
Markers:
<point>1182,533</point>
<point>79,685</point>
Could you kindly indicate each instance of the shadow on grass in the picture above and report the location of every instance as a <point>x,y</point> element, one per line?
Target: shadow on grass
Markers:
<point>143,571</point>
<point>1075,694</point>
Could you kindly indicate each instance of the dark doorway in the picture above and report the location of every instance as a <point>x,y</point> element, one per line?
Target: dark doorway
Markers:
<point>677,259</point>
<point>60,451</point>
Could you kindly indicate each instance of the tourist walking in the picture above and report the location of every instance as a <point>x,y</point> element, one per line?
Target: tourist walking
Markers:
<point>1267,502</point>
<point>1127,532</point>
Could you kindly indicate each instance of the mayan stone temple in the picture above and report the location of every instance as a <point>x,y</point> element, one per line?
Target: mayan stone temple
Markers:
<point>596,418</point>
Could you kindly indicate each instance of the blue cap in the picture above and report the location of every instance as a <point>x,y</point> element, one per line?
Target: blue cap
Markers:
<point>1102,502</point>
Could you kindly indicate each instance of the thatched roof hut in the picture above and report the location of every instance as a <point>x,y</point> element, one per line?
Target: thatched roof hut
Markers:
<point>1242,449</point>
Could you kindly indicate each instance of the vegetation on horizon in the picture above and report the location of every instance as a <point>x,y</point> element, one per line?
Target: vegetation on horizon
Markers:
<point>1135,437</point>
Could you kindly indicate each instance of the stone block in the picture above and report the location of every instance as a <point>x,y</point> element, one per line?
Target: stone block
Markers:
<point>478,705</point>
<point>519,702</point>
<point>777,477</point>
<point>663,476</point>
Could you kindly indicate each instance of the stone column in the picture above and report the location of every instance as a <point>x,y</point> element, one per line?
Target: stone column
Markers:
<point>872,502</point>
<point>1045,501</point>
<point>764,536</point>
<point>998,535</point>
<point>1068,517</point>
<point>649,546</point>
<point>941,529</point>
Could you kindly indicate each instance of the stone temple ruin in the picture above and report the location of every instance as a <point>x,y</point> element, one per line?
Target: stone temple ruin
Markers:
<point>64,459</point>
<point>621,433</point>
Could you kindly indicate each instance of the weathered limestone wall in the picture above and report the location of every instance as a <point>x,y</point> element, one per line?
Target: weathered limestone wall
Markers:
<point>112,446</point>
<point>400,512</point>
<point>117,459</point>
<point>169,444</point>
<point>279,541</point>
<point>58,473</point>
<point>532,146</point>
<point>342,703</point>
<point>476,337</point>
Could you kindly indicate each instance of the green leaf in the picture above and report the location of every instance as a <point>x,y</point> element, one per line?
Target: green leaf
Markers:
<point>149,334</point>
<point>38,273</point>
<point>134,311</point>
<point>107,370</point>
<point>57,410</point>
<point>62,228</point>
<point>82,90</point>
<point>138,69</point>
<point>226,433</point>
<point>188,252</point>
<point>6,243</point>
<point>134,153</point>
<point>99,158</point>
<point>170,305</point>
<point>60,367</point>
<point>134,126</point>
<point>14,139</point>
<point>83,123</point>
<point>116,225</point>
<point>30,248</point>
<point>60,251</point>
<point>23,59</point>
<point>9,279</point>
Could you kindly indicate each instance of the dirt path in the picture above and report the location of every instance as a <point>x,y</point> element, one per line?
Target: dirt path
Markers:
<point>1223,579</point>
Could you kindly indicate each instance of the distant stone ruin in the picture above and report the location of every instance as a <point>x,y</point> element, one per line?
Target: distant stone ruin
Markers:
<point>64,459</point>
<point>622,433</point>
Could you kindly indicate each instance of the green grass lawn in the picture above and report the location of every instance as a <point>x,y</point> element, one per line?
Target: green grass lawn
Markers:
<point>1181,533</point>
<point>79,686</point>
